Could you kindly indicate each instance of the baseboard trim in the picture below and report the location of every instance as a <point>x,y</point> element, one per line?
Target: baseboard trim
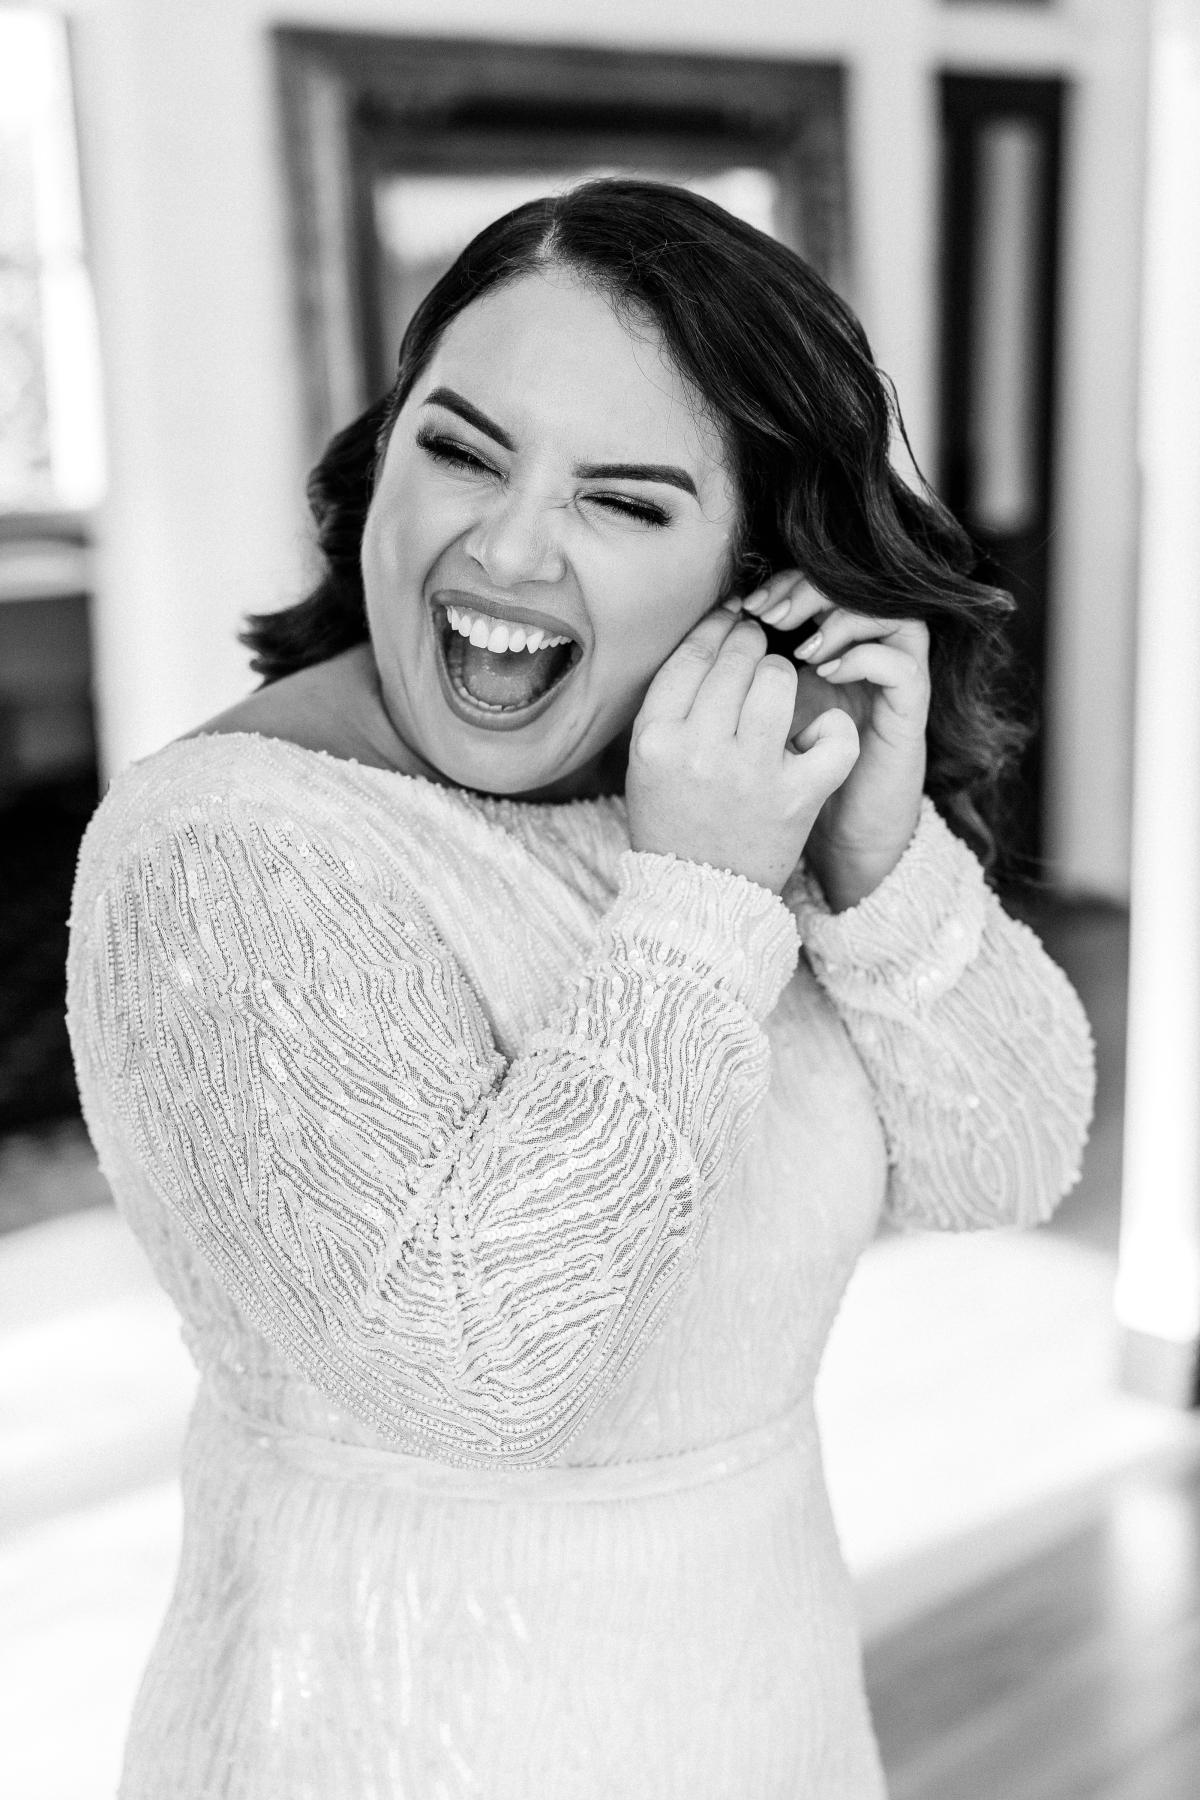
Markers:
<point>1162,1369</point>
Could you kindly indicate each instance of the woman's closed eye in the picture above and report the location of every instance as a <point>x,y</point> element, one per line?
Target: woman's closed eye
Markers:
<point>643,511</point>
<point>454,455</point>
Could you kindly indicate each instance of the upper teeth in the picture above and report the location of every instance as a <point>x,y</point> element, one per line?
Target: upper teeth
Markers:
<point>494,635</point>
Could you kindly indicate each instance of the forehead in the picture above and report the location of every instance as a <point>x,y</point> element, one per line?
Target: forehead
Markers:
<point>550,356</point>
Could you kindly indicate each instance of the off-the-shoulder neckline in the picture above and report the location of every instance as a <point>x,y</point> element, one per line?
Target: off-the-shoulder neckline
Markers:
<point>467,796</point>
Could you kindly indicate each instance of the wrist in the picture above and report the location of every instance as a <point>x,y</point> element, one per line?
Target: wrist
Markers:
<point>845,884</point>
<point>848,875</point>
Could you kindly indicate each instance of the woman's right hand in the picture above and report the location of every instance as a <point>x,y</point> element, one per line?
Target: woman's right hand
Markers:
<point>715,774</point>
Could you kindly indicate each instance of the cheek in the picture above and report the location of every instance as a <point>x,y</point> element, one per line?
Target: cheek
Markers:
<point>644,603</point>
<point>670,585</point>
<point>402,541</point>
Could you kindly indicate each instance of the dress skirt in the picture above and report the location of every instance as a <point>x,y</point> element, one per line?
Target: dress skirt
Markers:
<point>356,1624</point>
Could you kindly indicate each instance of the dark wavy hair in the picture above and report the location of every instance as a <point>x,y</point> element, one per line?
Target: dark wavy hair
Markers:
<point>786,371</point>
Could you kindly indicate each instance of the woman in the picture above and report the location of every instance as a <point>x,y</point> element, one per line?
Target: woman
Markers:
<point>443,1030</point>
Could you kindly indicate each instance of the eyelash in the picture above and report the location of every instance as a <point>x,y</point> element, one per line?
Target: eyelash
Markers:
<point>445,450</point>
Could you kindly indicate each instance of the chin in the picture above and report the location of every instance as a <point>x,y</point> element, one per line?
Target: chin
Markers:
<point>534,772</point>
<point>509,777</point>
<point>540,754</point>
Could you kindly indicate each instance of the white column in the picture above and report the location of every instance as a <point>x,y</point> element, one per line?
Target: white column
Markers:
<point>1089,697</point>
<point>1158,1285</point>
<point>204,519</point>
<point>893,127</point>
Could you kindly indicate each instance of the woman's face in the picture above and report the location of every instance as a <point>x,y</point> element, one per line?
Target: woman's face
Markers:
<point>551,469</point>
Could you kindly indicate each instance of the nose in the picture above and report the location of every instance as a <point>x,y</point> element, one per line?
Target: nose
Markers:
<point>513,541</point>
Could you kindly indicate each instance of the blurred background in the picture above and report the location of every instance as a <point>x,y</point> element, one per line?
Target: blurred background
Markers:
<point>214,221</point>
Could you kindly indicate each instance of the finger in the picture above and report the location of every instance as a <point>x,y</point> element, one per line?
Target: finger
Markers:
<point>718,702</point>
<point>786,602</point>
<point>769,707</point>
<point>841,628</point>
<point>899,675</point>
<point>826,751</point>
<point>677,682</point>
<point>776,587</point>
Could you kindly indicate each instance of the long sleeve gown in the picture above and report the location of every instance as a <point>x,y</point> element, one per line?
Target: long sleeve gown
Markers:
<point>507,1181</point>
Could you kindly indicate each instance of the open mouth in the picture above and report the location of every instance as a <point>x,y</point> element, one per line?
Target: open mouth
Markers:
<point>507,686</point>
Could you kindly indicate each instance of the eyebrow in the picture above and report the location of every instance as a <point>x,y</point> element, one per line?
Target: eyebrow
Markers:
<point>663,472</point>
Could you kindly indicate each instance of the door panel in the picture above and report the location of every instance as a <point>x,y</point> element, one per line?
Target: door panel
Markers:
<point>1001,142</point>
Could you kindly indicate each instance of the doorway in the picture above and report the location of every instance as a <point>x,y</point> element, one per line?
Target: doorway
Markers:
<point>400,149</point>
<point>1001,148</point>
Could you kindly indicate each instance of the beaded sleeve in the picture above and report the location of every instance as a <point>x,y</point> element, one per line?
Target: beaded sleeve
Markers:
<point>467,1253</point>
<point>978,1049</point>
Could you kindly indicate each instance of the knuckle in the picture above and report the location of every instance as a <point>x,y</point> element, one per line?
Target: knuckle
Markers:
<point>781,665</point>
<point>651,742</point>
<point>772,667</point>
<point>747,633</point>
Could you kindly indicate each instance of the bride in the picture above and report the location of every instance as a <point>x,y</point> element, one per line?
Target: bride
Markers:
<point>506,1028</point>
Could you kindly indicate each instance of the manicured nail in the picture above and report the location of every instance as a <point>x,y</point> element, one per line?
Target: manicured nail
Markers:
<point>775,613</point>
<point>808,649</point>
<point>829,667</point>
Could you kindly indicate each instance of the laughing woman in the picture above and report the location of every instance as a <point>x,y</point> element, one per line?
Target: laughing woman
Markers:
<point>507,1027</point>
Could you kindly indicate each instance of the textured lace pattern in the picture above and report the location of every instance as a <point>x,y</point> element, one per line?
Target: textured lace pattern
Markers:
<point>471,1143</point>
<point>984,1078</point>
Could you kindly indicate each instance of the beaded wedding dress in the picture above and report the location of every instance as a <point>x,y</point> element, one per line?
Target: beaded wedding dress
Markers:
<point>507,1182</point>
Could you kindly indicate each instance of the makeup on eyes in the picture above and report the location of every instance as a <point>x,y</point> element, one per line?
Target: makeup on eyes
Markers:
<point>449,451</point>
<point>668,473</point>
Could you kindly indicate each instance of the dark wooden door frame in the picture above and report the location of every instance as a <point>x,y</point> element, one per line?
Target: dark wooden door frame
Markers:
<point>354,105</point>
<point>1019,561</point>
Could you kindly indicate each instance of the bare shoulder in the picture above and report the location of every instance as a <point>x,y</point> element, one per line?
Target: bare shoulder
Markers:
<point>332,706</point>
<point>298,708</point>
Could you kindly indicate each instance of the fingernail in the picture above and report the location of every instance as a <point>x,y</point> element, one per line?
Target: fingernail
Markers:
<point>809,647</point>
<point>755,599</point>
<point>774,613</point>
<point>829,667</point>
<point>731,605</point>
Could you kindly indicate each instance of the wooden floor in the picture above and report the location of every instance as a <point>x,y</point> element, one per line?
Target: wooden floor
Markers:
<point>1075,1678</point>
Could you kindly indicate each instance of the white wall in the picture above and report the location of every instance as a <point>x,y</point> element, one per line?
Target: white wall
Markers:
<point>1158,1284</point>
<point>184,187</point>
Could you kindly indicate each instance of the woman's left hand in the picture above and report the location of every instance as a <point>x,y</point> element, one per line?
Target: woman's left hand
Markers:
<point>877,670</point>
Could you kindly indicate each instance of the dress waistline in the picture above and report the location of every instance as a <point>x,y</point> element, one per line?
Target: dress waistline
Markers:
<point>335,1460</point>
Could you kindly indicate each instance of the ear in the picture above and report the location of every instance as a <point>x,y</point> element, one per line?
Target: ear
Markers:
<point>750,570</point>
